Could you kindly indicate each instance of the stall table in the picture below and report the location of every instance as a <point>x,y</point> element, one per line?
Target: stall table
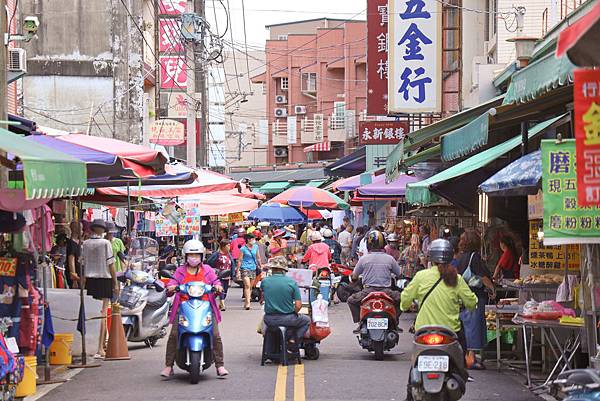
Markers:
<point>537,292</point>
<point>500,323</point>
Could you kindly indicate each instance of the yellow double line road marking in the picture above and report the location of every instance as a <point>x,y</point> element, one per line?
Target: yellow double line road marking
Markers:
<point>281,384</point>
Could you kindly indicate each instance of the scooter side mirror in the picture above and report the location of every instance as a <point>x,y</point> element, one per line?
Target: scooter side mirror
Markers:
<point>165,274</point>
<point>159,286</point>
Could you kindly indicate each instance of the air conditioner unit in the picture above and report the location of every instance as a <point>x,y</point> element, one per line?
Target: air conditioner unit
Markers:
<point>280,99</point>
<point>17,60</point>
<point>299,109</point>
<point>280,112</point>
<point>281,152</point>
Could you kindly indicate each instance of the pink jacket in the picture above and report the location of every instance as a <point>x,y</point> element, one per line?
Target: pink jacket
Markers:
<point>318,254</point>
<point>211,279</point>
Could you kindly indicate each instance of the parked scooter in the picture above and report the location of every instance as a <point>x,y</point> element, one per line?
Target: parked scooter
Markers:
<point>145,309</point>
<point>438,366</point>
<point>378,324</point>
<point>579,385</point>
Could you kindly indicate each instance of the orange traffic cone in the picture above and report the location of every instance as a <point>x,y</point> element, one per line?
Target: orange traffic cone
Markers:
<point>117,343</point>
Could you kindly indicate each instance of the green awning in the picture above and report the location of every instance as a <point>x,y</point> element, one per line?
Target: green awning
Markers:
<point>47,173</point>
<point>315,183</point>
<point>465,140</point>
<point>274,187</point>
<point>423,136</point>
<point>539,78</point>
<point>419,192</point>
<point>423,155</point>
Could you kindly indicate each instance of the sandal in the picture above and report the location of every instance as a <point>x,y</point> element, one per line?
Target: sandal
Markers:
<point>99,356</point>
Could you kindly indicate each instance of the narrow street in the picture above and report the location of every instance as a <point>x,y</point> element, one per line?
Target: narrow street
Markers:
<point>343,372</point>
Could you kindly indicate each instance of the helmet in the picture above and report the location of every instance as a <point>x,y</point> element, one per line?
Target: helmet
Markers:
<point>392,238</point>
<point>193,246</point>
<point>328,233</point>
<point>441,251</point>
<point>375,240</point>
<point>316,236</point>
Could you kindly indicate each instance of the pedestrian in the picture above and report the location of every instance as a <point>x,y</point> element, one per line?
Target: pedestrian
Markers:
<point>345,240</point>
<point>358,237</point>
<point>117,246</point>
<point>223,263</point>
<point>334,246</point>
<point>344,226</point>
<point>277,245</point>
<point>194,270</point>
<point>473,269</point>
<point>247,264</point>
<point>59,250</point>
<point>440,293</point>
<point>508,264</point>
<point>74,254</point>
<point>306,235</point>
<point>424,233</point>
<point>393,248</point>
<point>100,274</point>
<point>283,302</point>
<point>237,242</point>
<point>318,253</point>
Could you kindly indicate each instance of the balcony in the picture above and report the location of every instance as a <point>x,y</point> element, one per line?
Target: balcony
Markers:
<point>279,130</point>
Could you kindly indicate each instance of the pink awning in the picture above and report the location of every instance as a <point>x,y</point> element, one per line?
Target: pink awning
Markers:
<point>216,203</point>
<point>318,147</point>
<point>14,200</point>
<point>132,155</point>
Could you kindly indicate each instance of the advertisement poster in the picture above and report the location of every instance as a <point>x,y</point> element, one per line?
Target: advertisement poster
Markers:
<point>164,227</point>
<point>377,57</point>
<point>172,7</point>
<point>543,257</point>
<point>565,222</point>
<point>167,132</point>
<point>382,132</point>
<point>173,72</point>
<point>169,37</point>
<point>586,94</point>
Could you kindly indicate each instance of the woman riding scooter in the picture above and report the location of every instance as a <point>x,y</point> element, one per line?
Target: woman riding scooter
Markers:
<point>194,270</point>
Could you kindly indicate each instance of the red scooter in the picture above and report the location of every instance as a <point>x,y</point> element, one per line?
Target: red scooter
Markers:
<point>378,324</point>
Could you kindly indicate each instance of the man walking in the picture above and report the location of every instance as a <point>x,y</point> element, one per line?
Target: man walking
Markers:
<point>345,240</point>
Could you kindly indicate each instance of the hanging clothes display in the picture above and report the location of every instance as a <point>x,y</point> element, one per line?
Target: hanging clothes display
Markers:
<point>14,283</point>
<point>35,229</point>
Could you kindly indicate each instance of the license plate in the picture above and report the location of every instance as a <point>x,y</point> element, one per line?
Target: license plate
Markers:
<point>429,363</point>
<point>377,323</point>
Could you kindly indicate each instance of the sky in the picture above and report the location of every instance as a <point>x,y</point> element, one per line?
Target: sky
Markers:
<point>266,12</point>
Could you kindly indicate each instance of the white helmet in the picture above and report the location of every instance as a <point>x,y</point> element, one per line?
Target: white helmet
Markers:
<point>316,236</point>
<point>193,246</point>
<point>328,233</point>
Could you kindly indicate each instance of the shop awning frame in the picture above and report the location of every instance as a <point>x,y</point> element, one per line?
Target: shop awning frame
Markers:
<point>274,187</point>
<point>521,177</point>
<point>318,147</point>
<point>467,139</point>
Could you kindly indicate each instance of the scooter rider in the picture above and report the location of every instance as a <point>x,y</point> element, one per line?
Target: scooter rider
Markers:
<point>194,270</point>
<point>376,269</point>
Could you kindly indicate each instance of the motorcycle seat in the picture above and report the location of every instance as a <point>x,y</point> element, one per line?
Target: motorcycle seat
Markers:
<point>156,299</point>
<point>378,294</point>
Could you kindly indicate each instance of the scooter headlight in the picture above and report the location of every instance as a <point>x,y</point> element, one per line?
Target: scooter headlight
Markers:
<point>139,277</point>
<point>183,321</point>
<point>195,291</point>
<point>208,320</point>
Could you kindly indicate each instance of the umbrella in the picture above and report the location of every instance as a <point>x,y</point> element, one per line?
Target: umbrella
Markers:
<point>310,198</point>
<point>314,214</point>
<point>380,188</point>
<point>277,213</point>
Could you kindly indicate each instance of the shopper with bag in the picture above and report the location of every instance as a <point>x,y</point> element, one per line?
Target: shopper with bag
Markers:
<point>247,264</point>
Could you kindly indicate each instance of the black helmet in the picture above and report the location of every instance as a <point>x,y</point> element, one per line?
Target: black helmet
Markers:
<point>441,251</point>
<point>375,240</point>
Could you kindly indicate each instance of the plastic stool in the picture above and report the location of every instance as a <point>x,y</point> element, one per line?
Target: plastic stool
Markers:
<point>275,346</point>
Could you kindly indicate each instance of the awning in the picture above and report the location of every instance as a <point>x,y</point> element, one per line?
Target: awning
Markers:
<point>538,78</point>
<point>417,139</point>
<point>46,172</point>
<point>352,164</point>
<point>217,203</point>
<point>274,187</point>
<point>420,192</point>
<point>318,147</point>
<point>423,156</point>
<point>465,140</point>
<point>521,177</point>
<point>381,189</point>
<point>354,182</point>
<point>315,183</point>
<point>580,40</point>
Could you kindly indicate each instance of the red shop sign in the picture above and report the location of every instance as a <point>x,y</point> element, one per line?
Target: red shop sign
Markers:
<point>587,136</point>
<point>382,132</point>
<point>377,57</point>
<point>172,7</point>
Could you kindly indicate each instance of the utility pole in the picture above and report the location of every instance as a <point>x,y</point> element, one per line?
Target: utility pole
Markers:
<point>3,91</point>
<point>191,91</point>
<point>200,72</point>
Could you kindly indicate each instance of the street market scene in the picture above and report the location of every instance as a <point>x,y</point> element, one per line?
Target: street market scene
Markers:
<point>259,200</point>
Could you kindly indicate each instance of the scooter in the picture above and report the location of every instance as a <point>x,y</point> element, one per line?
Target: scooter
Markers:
<point>378,325</point>
<point>145,309</point>
<point>438,366</point>
<point>579,385</point>
<point>195,337</point>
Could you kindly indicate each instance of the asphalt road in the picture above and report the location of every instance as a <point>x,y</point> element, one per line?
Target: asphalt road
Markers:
<point>343,372</point>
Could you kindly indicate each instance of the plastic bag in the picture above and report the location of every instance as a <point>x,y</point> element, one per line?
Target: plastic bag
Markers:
<point>565,291</point>
<point>318,333</point>
<point>320,315</point>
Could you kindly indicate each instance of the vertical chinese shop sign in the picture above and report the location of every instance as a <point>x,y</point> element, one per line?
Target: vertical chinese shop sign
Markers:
<point>377,57</point>
<point>564,221</point>
<point>587,135</point>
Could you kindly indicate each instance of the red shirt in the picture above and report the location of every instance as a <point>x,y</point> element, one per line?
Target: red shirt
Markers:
<point>509,265</point>
<point>188,278</point>
<point>235,247</point>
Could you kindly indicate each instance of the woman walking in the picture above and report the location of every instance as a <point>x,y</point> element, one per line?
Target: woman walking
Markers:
<point>224,263</point>
<point>247,265</point>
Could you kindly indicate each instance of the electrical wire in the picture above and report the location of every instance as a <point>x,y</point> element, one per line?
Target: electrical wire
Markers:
<point>237,75</point>
<point>246,44</point>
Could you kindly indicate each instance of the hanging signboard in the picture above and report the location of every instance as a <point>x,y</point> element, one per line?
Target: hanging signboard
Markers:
<point>291,130</point>
<point>415,56</point>
<point>8,267</point>
<point>164,227</point>
<point>178,105</point>
<point>377,57</point>
<point>564,221</point>
<point>171,7</point>
<point>169,36</point>
<point>231,218</point>
<point>167,132</point>
<point>382,132</point>
<point>550,257</point>
<point>586,93</point>
<point>173,72</point>
<point>318,128</point>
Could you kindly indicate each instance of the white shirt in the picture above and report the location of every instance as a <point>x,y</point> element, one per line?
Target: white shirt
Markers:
<point>345,239</point>
<point>362,247</point>
<point>97,255</point>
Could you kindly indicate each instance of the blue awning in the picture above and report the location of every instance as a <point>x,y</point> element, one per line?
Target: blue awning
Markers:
<point>521,177</point>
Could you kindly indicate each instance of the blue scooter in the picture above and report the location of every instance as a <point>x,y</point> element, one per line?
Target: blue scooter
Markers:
<point>579,384</point>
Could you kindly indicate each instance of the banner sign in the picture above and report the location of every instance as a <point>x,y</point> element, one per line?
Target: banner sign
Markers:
<point>169,36</point>
<point>318,128</point>
<point>587,135</point>
<point>8,267</point>
<point>564,221</point>
<point>377,57</point>
<point>415,56</point>
<point>173,72</point>
<point>382,132</point>
<point>231,218</point>
<point>292,130</point>
<point>167,132</point>
<point>171,7</point>
<point>164,227</point>
<point>550,257</point>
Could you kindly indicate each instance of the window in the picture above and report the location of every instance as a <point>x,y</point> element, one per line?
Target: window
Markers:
<point>309,82</point>
<point>284,83</point>
<point>338,117</point>
<point>282,37</point>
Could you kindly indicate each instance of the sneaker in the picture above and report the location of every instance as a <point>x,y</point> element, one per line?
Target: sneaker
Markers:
<point>222,372</point>
<point>357,330</point>
<point>167,372</point>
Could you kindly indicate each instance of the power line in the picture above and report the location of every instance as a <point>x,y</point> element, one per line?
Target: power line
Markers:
<point>246,44</point>
<point>237,76</point>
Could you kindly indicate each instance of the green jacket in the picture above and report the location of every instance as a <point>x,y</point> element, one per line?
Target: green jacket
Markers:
<point>442,305</point>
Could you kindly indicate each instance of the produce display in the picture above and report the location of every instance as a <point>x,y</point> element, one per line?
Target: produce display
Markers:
<point>546,310</point>
<point>540,279</point>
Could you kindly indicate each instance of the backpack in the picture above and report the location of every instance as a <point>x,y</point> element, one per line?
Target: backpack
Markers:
<point>212,259</point>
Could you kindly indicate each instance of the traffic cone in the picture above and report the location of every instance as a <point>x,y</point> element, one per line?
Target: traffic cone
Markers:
<point>117,343</point>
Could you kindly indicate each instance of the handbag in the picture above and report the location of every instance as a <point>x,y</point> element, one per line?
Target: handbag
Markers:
<point>473,280</point>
